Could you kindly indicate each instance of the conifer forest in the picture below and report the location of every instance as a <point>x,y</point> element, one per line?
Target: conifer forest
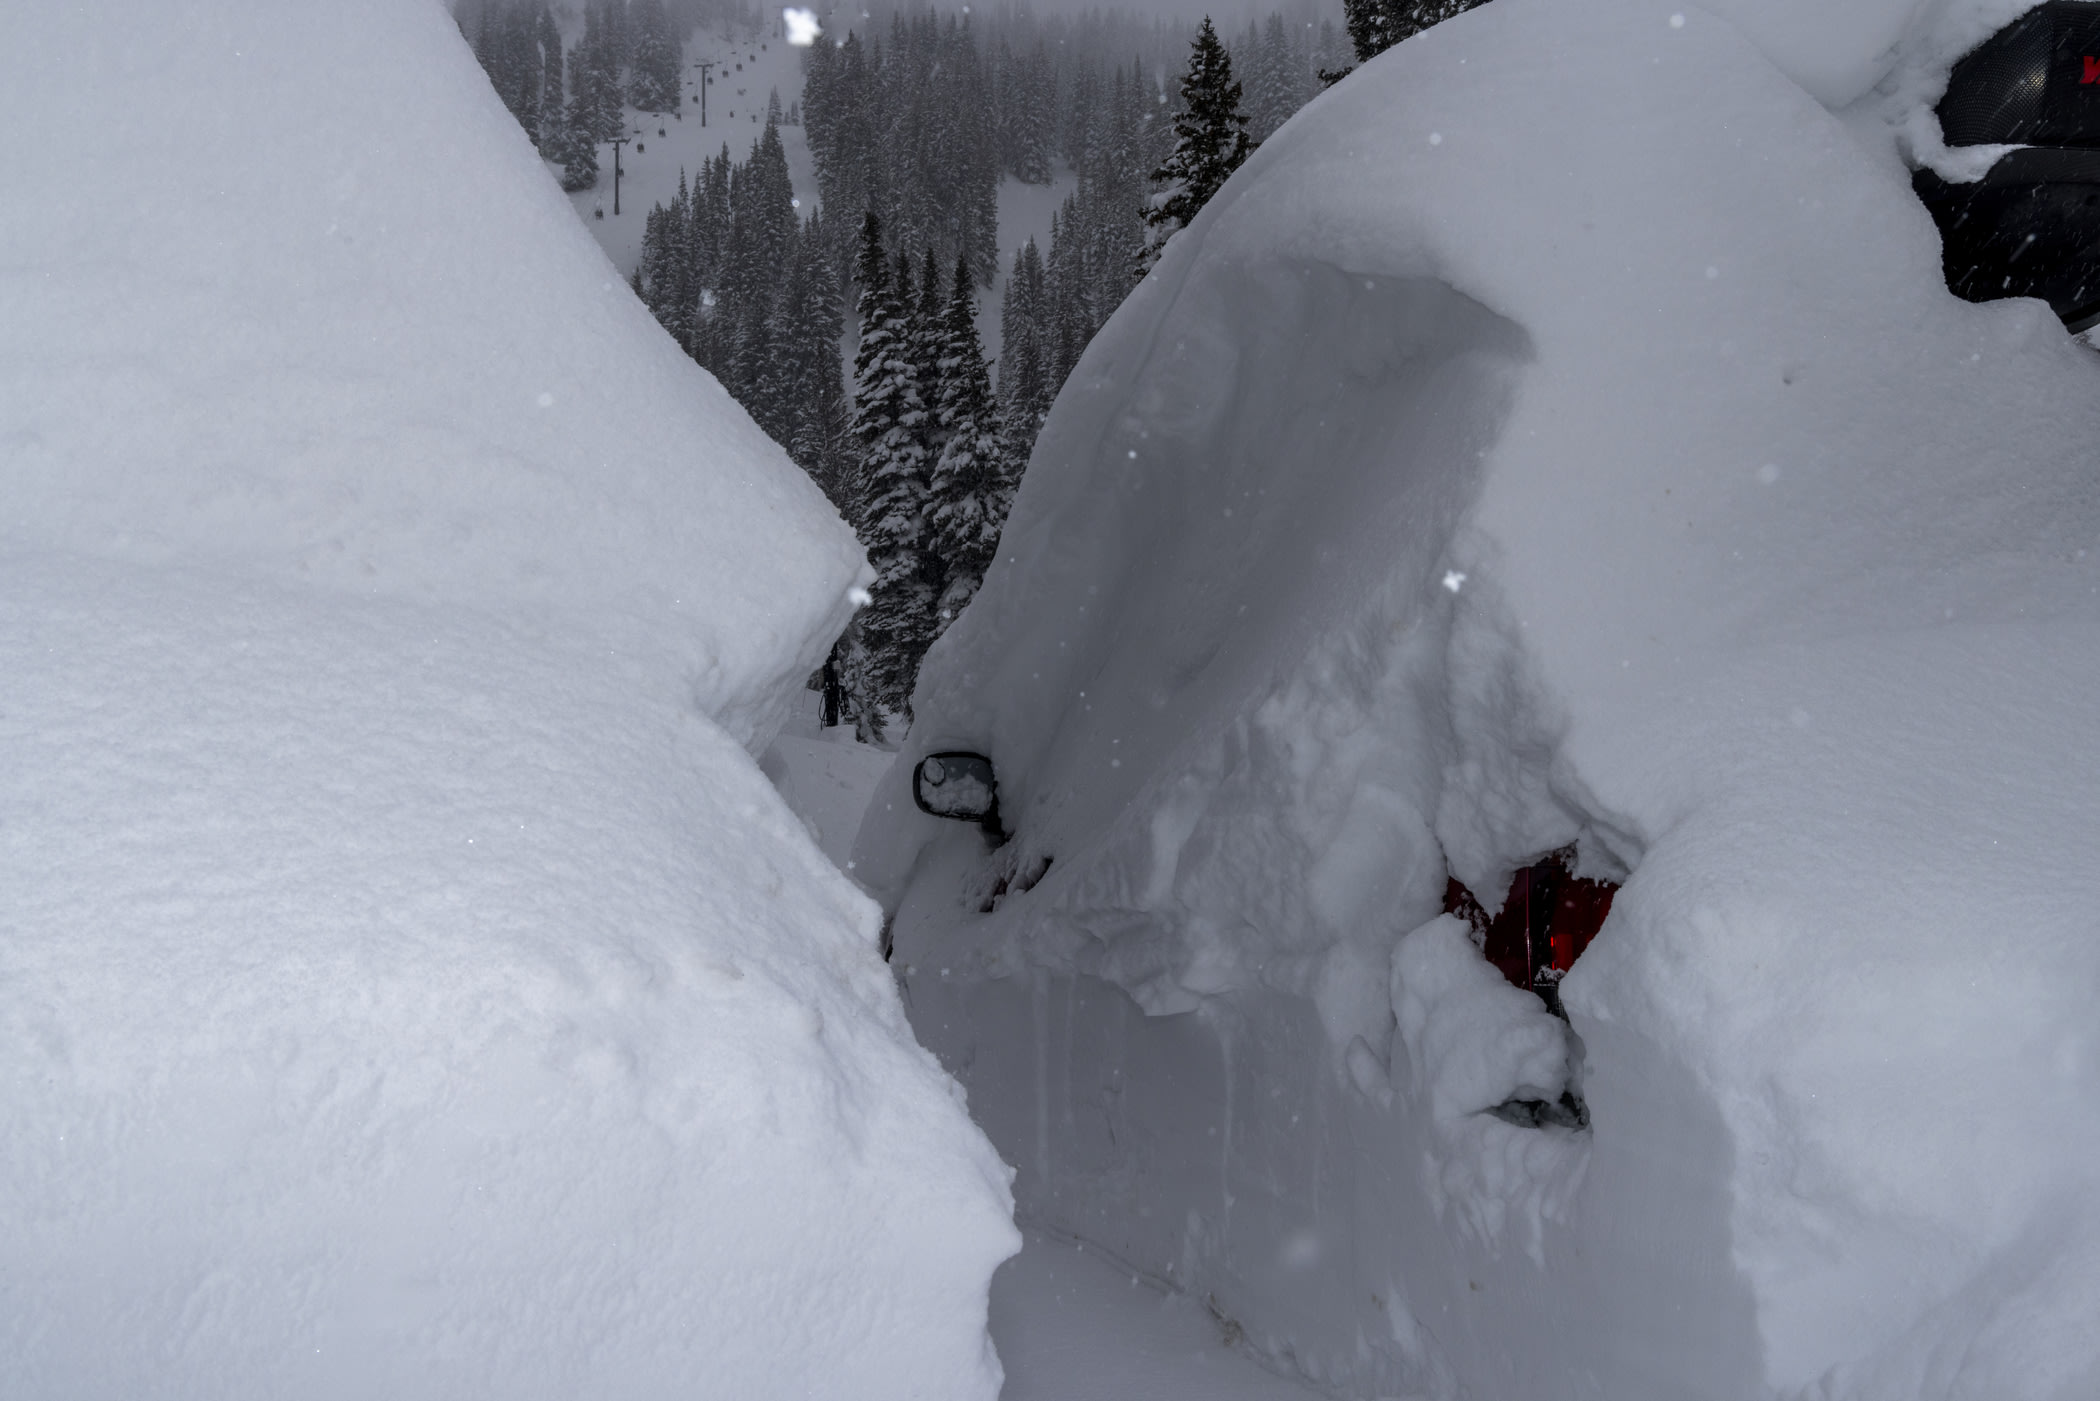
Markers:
<point>846,318</point>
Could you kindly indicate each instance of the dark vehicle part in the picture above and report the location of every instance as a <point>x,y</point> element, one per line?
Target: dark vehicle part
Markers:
<point>1567,1112</point>
<point>958,784</point>
<point>2031,226</point>
<point>1547,919</point>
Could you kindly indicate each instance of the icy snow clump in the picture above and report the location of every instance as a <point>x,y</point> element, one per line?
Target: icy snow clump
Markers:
<point>409,986</point>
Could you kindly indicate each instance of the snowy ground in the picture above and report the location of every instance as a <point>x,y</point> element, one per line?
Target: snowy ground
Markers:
<point>824,775</point>
<point>1073,1327</point>
<point>1070,1324</point>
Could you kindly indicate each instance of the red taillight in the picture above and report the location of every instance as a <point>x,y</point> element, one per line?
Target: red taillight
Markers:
<point>1546,921</point>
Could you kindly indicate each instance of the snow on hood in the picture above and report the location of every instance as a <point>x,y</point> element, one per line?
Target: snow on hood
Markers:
<point>1561,431</point>
<point>409,986</point>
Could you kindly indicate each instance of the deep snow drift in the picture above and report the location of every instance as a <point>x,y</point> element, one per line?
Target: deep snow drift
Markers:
<point>1559,433</point>
<point>409,985</point>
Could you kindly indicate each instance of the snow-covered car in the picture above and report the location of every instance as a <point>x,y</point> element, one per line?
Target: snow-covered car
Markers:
<point>1560,437</point>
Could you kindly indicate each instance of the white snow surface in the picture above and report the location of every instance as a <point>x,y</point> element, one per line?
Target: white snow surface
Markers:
<point>1074,1327</point>
<point>409,984</point>
<point>1560,432</point>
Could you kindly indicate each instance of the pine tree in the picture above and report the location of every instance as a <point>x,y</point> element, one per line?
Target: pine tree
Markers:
<point>579,132</point>
<point>811,322</point>
<point>1033,125</point>
<point>927,336</point>
<point>1275,82</point>
<point>657,58</point>
<point>595,104</point>
<point>708,238</point>
<point>654,272</point>
<point>892,632</point>
<point>1024,367</point>
<point>618,40</point>
<point>971,486</point>
<point>1376,25</point>
<point>1330,56</point>
<point>553,126</point>
<point>1373,26</point>
<point>507,39</point>
<point>1210,142</point>
<point>1070,323</point>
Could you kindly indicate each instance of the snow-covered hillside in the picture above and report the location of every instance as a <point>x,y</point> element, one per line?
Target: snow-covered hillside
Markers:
<point>748,68</point>
<point>409,984</point>
<point>1560,433</point>
<point>747,71</point>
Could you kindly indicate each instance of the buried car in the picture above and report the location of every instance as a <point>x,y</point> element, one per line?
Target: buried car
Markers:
<point>1556,451</point>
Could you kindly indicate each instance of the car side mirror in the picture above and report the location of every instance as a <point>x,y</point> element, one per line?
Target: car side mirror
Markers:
<point>959,785</point>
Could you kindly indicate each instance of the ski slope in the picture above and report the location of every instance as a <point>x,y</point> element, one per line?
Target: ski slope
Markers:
<point>749,68</point>
<point>664,146</point>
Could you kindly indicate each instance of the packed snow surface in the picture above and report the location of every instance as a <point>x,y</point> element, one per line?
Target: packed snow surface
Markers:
<point>824,775</point>
<point>1559,433</point>
<point>409,984</point>
<point>1074,1327</point>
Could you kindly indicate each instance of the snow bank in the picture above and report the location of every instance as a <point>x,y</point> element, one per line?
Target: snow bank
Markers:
<point>358,342</point>
<point>1559,433</point>
<point>409,985</point>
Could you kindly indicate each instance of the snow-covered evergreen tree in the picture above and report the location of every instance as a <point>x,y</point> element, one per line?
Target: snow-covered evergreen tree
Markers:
<point>1376,25</point>
<point>552,127</point>
<point>1275,82</point>
<point>520,49</point>
<point>889,418</point>
<point>972,485</point>
<point>657,57</point>
<point>1210,141</point>
<point>579,140</point>
<point>1070,321</point>
<point>1024,371</point>
<point>925,317</point>
<point>812,316</point>
<point>905,127</point>
<point>595,98</point>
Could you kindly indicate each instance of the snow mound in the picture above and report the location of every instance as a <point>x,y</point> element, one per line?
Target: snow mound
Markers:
<point>198,368</point>
<point>409,985</point>
<point>1559,434</point>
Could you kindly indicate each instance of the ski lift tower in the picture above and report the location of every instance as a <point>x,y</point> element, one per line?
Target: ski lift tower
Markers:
<point>703,67</point>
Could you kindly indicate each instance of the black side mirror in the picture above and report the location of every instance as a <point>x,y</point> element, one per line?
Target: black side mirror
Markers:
<point>957,784</point>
